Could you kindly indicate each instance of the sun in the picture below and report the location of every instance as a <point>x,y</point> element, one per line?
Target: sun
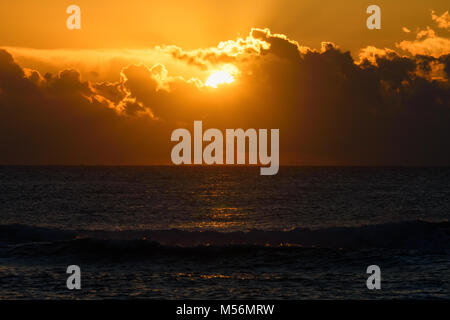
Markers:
<point>219,77</point>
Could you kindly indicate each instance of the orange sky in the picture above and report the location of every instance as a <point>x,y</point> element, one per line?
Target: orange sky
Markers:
<point>200,23</point>
<point>128,32</point>
<point>135,71</point>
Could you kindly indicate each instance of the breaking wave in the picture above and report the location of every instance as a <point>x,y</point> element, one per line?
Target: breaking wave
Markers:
<point>22,240</point>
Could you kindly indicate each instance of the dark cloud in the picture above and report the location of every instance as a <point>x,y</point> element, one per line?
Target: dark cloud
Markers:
<point>372,113</point>
<point>63,120</point>
<point>279,44</point>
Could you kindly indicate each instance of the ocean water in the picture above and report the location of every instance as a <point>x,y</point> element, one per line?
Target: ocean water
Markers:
<point>224,232</point>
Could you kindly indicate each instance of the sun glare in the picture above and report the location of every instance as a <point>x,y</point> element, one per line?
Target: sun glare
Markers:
<point>219,77</point>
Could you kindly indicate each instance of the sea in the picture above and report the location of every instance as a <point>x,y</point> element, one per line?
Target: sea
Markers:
<point>167,232</point>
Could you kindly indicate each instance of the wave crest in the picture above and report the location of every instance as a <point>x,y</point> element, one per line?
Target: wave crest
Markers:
<point>25,240</point>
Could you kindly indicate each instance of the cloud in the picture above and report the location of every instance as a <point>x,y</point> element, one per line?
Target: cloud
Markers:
<point>97,65</point>
<point>371,53</point>
<point>60,119</point>
<point>257,43</point>
<point>427,41</point>
<point>442,21</point>
<point>431,45</point>
<point>225,52</point>
<point>382,109</point>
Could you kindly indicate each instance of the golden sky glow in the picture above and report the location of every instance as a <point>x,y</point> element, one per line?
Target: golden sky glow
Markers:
<point>137,24</point>
<point>120,33</point>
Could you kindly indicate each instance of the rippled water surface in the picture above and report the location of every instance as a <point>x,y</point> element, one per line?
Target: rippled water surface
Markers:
<point>224,232</point>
